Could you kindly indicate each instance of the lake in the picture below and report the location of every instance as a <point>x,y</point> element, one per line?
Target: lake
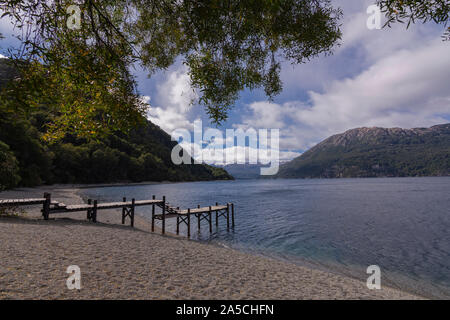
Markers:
<point>342,225</point>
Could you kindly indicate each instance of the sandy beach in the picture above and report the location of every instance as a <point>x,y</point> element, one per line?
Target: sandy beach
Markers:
<point>118,262</point>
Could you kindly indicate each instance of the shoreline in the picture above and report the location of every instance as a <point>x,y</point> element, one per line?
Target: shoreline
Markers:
<point>163,267</point>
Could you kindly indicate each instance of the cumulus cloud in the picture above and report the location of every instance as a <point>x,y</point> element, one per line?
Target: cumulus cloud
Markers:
<point>358,50</point>
<point>174,97</point>
<point>9,32</point>
<point>230,146</point>
<point>222,155</point>
<point>404,83</point>
<point>407,88</point>
<point>265,114</point>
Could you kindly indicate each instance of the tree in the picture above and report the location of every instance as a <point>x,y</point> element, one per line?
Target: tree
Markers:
<point>84,73</point>
<point>411,11</point>
<point>9,168</point>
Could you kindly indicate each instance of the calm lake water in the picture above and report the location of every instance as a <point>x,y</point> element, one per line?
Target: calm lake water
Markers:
<point>342,225</point>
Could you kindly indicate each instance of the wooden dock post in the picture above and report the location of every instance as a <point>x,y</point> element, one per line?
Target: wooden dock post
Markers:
<point>198,218</point>
<point>89,211</point>
<point>94,212</point>
<point>153,215</point>
<point>132,212</point>
<point>217,216</point>
<point>189,223</point>
<point>178,224</point>
<point>164,216</point>
<point>228,215</point>
<point>46,206</point>
<point>210,222</point>
<point>232,215</point>
<point>123,211</point>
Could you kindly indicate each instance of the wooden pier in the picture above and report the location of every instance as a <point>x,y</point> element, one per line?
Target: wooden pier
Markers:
<point>128,210</point>
<point>184,216</point>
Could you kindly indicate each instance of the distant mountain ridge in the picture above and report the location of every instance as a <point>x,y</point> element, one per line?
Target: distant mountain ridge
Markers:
<point>7,71</point>
<point>376,152</point>
<point>244,171</point>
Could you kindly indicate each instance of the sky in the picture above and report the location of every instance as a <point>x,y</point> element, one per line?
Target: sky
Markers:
<point>391,77</point>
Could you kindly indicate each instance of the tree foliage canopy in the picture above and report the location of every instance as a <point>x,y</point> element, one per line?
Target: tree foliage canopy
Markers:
<point>411,11</point>
<point>228,45</point>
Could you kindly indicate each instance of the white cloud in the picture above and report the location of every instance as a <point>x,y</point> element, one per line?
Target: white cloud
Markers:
<point>9,32</point>
<point>6,24</point>
<point>174,102</point>
<point>375,44</point>
<point>265,115</point>
<point>241,154</point>
<point>407,88</point>
<point>404,83</point>
<point>359,49</point>
<point>3,57</point>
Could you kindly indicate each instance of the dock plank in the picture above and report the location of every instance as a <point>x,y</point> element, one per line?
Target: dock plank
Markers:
<point>202,210</point>
<point>107,205</point>
<point>194,211</point>
<point>21,202</point>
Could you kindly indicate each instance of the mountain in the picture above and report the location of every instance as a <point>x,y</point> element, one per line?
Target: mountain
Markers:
<point>143,155</point>
<point>244,171</point>
<point>376,152</point>
<point>7,71</point>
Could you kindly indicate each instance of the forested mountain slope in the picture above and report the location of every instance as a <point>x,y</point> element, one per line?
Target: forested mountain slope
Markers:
<point>376,152</point>
<point>143,155</point>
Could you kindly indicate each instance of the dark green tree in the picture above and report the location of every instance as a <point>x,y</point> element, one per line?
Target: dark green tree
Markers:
<point>9,168</point>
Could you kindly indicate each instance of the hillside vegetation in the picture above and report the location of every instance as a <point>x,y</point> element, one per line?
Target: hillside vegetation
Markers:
<point>376,152</point>
<point>143,155</point>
